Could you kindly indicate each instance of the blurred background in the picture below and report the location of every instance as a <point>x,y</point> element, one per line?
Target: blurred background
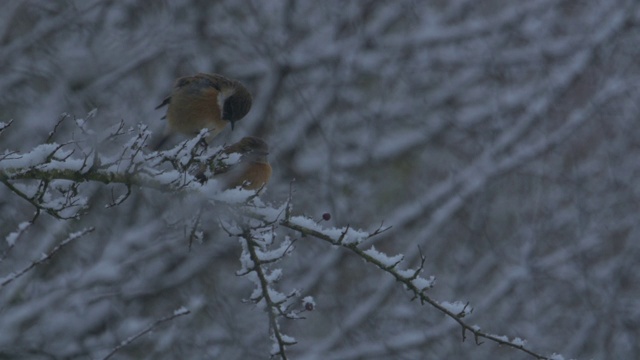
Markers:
<point>500,139</point>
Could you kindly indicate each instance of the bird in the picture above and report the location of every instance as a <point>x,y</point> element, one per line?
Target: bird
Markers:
<point>204,101</point>
<point>251,172</point>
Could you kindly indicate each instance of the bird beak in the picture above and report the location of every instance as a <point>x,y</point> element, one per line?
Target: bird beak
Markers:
<point>233,124</point>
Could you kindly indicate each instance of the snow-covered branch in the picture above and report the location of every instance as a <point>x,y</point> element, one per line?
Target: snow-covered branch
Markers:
<point>176,313</point>
<point>15,275</point>
<point>256,255</point>
<point>50,175</point>
<point>408,277</point>
<point>133,166</point>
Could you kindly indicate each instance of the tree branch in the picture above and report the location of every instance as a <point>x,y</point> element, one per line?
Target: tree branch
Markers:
<point>415,284</point>
<point>73,236</point>
<point>179,312</point>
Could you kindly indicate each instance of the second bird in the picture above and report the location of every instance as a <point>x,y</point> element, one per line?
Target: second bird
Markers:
<point>204,101</point>
<point>252,172</point>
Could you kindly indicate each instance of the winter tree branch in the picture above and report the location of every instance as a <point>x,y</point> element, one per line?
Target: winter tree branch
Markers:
<point>177,313</point>
<point>59,174</point>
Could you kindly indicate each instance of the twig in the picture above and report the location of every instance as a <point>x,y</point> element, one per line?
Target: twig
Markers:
<point>14,237</point>
<point>179,312</point>
<point>273,307</point>
<point>410,284</point>
<point>4,126</point>
<point>46,257</point>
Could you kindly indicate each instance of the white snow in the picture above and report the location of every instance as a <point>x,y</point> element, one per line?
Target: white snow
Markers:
<point>407,273</point>
<point>519,342</point>
<point>309,300</point>
<point>457,307</point>
<point>422,283</point>
<point>384,259</point>
<point>276,296</point>
<point>35,157</point>
<point>502,337</point>
<point>180,311</point>
<point>306,222</point>
<point>230,196</point>
<point>349,235</point>
<point>277,253</point>
<point>555,356</point>
<point>245,259</point>
<point>14,236</point>
<point>275,275</point>
<point>269,213</point>
<point>288,339</point>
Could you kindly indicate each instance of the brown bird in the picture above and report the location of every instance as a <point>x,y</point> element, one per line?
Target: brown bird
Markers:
<point>204,101</point>
<point>252,172</point>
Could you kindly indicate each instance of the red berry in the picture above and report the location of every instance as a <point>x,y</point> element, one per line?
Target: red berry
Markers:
<point>326,216</point>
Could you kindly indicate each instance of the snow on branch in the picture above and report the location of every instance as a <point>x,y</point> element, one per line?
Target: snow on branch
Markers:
<point>50,178</point>
<point>258,251</point>
<point>4,125</point>
<point>351,239</point>
<point>73,236</point>
<point>176,313</point>
<point>13,238</point>
<point>408,277</point>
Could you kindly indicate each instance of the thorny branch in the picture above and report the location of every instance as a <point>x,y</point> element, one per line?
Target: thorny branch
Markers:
<point>135,167</point>
<point>14,237</point>
<point>266,295</point>
<point>13,276</point>
<point>409,281</point>
<point>179,312</point>
<point>276,304</point>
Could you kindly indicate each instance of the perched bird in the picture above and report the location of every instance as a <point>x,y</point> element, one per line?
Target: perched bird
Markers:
<point>204,101</point>
<point>252,171</point>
